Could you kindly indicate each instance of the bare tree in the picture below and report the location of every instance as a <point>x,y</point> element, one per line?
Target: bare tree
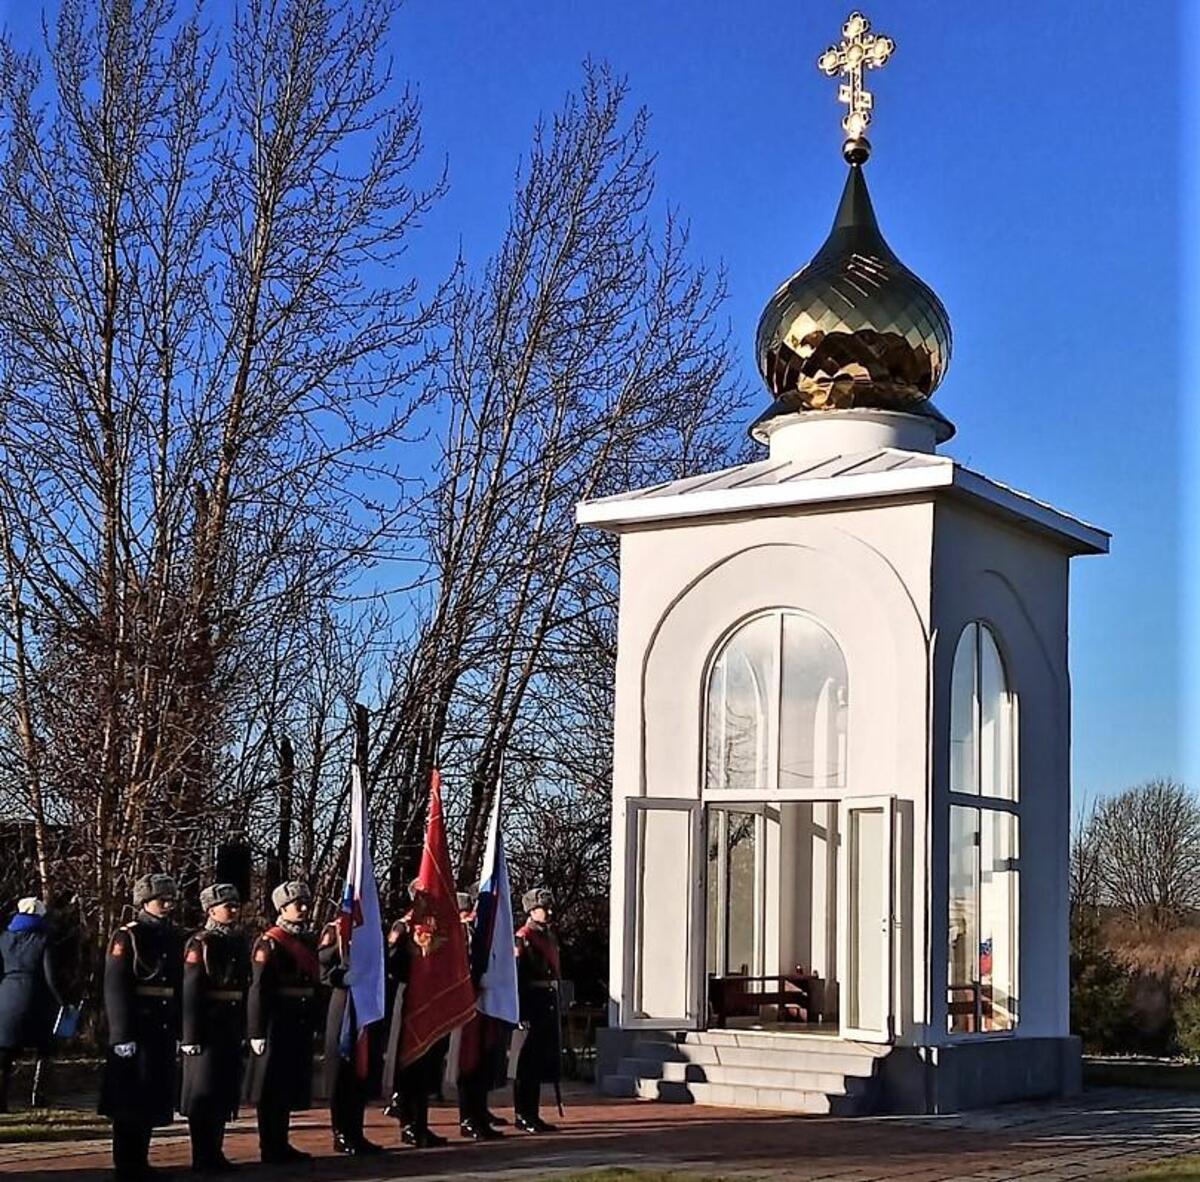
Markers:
<point>588,356</point>
<point>1146,851</point>
<point>209,363</point>
<point>1085,868</point>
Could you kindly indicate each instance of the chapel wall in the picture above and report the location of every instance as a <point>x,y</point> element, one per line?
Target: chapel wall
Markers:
<point>1016,581</point>
<point>864,573</point>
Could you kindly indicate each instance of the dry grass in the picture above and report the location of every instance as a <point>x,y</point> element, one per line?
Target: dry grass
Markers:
<point>51,1124</point>
<point>1183,1169</point>
<point>1173,954</point>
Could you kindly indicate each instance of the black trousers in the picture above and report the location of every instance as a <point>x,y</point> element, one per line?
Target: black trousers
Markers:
<point>8,1059</point>
<point>207,1131</point>
<point>473,1095</point>
<point>348,1103</point>
<point>131,1148</point>
<point>273,1122</point>
<point>527,1097</point>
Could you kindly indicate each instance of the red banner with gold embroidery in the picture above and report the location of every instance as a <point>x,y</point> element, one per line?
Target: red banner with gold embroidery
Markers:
<point>439,996</point>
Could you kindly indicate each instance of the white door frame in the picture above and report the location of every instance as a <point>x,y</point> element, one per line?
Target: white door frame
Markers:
<point>882,968</point>
<point>634,903</point>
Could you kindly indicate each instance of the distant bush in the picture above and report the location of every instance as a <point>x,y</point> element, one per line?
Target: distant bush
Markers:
<point>1187,1025</point>
<point>1100,1009</point>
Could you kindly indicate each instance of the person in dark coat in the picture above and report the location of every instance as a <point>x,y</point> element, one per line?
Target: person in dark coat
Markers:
<point>411,1086</point>
<point>538,974</point>
<point>480,1046</point>
<point>348,1092</point>
<point>142,978</point>
<point>30,998</point>
<point>216,976</point>
<point>282,1020</point>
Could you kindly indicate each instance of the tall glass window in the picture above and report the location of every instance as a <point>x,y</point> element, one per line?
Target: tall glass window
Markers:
<point>734,912</point>
<point>777,706</point>
<point>983,936</point>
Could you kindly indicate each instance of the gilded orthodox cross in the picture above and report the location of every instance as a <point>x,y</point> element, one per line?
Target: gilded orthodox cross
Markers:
<point>860,49</point>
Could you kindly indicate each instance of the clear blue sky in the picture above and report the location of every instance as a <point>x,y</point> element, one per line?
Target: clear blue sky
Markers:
<point>1026,165</point>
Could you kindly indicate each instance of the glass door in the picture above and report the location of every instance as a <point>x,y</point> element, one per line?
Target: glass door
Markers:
<point>865,890</point>
<point>735,890</point>
<point>664,884</point>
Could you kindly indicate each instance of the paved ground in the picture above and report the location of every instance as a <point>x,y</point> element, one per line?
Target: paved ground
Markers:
<point>1104,1134</point>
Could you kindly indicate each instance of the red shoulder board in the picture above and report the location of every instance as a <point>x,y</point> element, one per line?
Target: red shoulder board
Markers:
<point>194,955</point>
<point>328,935</point>
<point>262,952</point>
<point>117,948</point>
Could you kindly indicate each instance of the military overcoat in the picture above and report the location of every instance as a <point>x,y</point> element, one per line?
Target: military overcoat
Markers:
<point>538,974</point>
<point>142,976</point>
<point>216,977</point>
<point>284,1008</point>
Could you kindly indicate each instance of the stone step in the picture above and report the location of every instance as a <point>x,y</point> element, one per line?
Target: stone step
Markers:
<point>744,1096</point>
<point>624,1086</point>
<point>829,1082</point>
<point>767,1040</point>
<point>845,1062</point>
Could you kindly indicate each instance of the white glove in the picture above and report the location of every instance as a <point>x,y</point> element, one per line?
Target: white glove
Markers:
<point>125,1050</point>
<point>191,1048</point>
<point>258,1046</point>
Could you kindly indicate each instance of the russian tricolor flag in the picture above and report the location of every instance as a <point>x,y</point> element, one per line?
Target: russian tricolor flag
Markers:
<point>361,931</point>
<point>493,962</point>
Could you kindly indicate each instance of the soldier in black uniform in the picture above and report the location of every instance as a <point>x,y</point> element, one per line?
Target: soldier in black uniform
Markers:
<point>480,1047</point>
<point>142,977</point>
<point>348,1093</point>
<point>410,1086</point>
<point>538,974</point>
<point>281,1020</point>
<point>216,975</point>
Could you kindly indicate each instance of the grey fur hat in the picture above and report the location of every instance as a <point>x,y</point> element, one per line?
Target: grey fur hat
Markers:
<point>154,886</point>
<point>537,897</point>
<point>294,891</point>
<point>218,893</point>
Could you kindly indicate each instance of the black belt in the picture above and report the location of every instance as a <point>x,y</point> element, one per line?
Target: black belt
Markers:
<point>226,994</point>
<point>296,991</point>
<point>154,991</point>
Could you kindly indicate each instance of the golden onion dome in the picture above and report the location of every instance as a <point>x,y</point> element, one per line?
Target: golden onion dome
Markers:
<point>855,328</point>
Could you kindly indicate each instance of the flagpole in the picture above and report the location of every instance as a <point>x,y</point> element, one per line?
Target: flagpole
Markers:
<point>361,735</point>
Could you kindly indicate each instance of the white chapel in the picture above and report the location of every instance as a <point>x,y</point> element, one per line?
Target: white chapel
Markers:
<point>841,783</point>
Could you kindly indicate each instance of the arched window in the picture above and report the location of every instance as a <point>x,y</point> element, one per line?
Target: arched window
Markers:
<point>776,707</point>
<point>982,756</point>
<point>984,879</point>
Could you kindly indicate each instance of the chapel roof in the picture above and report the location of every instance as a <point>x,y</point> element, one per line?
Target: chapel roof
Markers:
<point>882,474</point>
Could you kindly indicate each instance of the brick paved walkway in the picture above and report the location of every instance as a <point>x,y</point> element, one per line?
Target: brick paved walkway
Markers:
<point>1104,1134</point>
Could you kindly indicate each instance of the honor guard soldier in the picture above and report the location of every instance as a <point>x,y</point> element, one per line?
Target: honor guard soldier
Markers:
<point>216,976</point>
<point>281,1020</point>
<point>348,1091</point>
<point>538,974</point>
<point>409,1086</point>
<point>142,974</point>
<point>480,1049</point>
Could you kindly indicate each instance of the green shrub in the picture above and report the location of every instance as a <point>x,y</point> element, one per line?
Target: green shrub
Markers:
<point>1186,1014</point>
<point>1100,994</point>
